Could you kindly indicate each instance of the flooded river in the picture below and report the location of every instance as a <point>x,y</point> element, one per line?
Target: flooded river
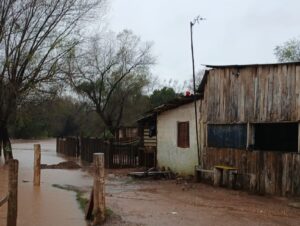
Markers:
<point>46,205</point>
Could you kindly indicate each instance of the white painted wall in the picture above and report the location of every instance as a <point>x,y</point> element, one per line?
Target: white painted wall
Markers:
<point>179,160</point>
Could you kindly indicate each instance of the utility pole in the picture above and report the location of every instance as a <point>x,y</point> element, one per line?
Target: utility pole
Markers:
<point>192,23</point>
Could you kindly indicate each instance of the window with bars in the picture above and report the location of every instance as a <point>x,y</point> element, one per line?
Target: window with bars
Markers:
<point>183,135</point>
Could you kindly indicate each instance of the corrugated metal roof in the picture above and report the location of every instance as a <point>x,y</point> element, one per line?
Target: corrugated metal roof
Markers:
<point>179,101</point>
<point>145,117</point>
<point>204,79</point>
<point>174,103</point>
<point>249,65</point>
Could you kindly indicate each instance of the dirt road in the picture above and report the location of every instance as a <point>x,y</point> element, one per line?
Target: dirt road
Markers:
<point>167,203</point>
<point>136,202</point>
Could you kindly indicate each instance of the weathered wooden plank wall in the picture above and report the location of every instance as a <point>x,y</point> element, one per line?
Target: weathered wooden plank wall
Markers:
<point>275,172</point>
<point>252,94</point>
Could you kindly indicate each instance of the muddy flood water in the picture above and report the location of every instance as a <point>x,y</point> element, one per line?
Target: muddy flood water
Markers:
<point>134,202</point>
<point>45,205</point>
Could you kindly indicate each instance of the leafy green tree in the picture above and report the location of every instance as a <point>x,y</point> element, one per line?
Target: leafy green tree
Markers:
<point>162,96</point>
<point>288,51</point>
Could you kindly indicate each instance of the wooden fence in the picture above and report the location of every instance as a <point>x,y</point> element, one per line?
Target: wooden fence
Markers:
<point>89,146</point>
<point>12,197</point>
<point>262,172</point>
<point>69,146</point>
<point>117,154</point>
<point>124,156</point>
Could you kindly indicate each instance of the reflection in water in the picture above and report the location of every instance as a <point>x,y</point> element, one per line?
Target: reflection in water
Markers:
<point>46,205</point>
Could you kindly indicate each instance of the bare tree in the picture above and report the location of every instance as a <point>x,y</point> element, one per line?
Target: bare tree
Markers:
<point>35,36</point>
<point>110,71</point>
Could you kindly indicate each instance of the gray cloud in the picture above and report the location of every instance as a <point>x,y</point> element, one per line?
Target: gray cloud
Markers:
<point>235,31</point>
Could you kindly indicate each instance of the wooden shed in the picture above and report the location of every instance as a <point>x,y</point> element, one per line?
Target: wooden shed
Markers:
<point>147,134</point>
<point>249,119</point>
<point>126,133</point>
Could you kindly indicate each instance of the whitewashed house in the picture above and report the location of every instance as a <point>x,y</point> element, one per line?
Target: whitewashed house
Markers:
<point>176,135</point>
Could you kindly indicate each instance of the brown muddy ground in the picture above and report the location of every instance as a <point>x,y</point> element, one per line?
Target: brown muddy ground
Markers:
<point>135,202</point>
<point>167,203</point>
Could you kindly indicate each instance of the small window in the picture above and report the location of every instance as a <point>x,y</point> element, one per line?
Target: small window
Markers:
<point>227,136</point>
<point>276,137</point>
<point>183,135</point>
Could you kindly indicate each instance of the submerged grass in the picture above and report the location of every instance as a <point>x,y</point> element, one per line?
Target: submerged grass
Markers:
<point>108,212</point>
<point>81,200</point>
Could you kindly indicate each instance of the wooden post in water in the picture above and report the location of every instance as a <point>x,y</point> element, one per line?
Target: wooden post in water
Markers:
<point>12,205</point>
<point>37,165</point>
<point>298,137</point>
<point>99,194</point>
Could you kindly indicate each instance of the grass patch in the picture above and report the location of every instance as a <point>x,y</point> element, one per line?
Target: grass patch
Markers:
<point>81,200</point>
<point>108,212</point>
<point>61,187</point>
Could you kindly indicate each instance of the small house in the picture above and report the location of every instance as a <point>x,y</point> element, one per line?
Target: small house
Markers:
<point>148,143</point>
<point>175,140</point>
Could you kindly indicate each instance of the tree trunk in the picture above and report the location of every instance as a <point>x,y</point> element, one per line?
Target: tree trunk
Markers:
<point>0,143</point>
<point>5,143</point>
<point>112,130</point>
<point>108,122</point>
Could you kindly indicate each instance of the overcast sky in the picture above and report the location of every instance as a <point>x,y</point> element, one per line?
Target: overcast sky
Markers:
<point>235,32</point>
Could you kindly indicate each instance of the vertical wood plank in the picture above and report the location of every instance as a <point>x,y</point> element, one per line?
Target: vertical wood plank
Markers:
<point>284,94</point>
<point>250,135</point>
<point>298,92</point>
<point>37,165</point>
<point>256,97</point>
<point>298,137</point>
<point>270,94</point>
<point>276,94</point>
<point>12,205</point>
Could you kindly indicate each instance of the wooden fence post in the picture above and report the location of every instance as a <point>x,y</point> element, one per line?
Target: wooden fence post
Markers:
<point>12,205</point>
<point>37,165</point>
<point>217,177</point>
<point>99,194</point>
<point>57,146</point>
